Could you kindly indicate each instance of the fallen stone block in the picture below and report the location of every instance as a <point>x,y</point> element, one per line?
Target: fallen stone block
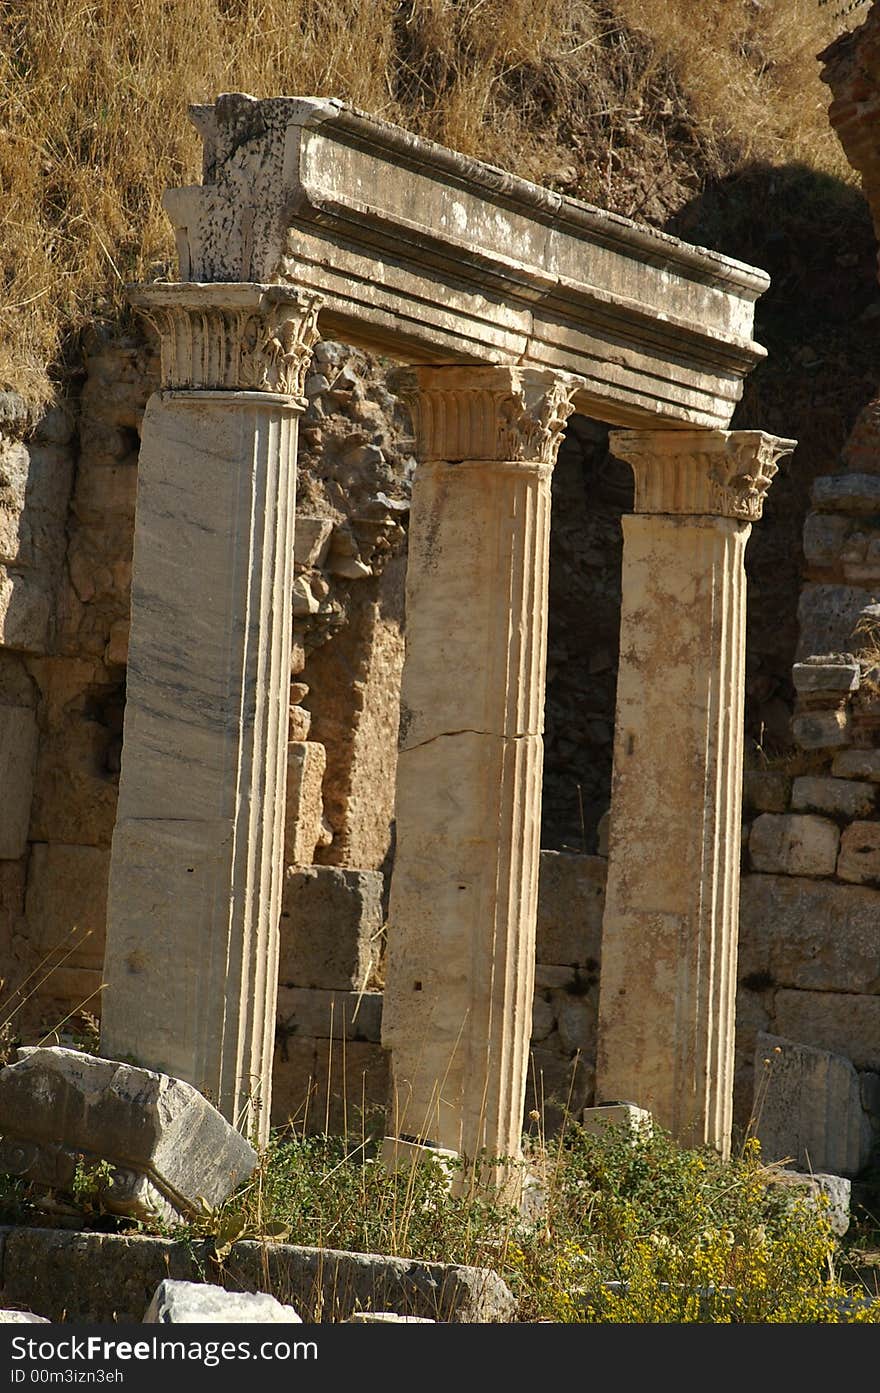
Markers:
<point>152,1145</point>
<point>835,1191</point>
<point>386,1318</point>
<point>630,1119</point>
<point>203,1303</point>
<point>109,1277</point>
<point>808,1108</point>
<point>22,1318</point>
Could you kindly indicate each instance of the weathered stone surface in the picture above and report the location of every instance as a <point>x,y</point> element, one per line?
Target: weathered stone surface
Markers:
<point>658,931</point>
<point>465,883</point>
<point>304,821</point>
<point>102,1277</point>
<point>834,1191</point>
<point>809,934</point>
<point>766,791</point>
<point>847,493</point>
<point>355,683</point>
<point>66,903</point>
<point>821,730</point>
<point>330,924</point>
<point>207,694</point>
<point>794,844</point>
<point>571,897</point>
<point>825,676</point>
<point>625,1117</point>
<point>837,797</point>
<point>80,715</point>
<point>167,1145</point>
<point>18,751</point>
<point>485,295</point>
<point>386,1318</point>
<point>826,615</point>
<point>329,1085</point>
<point>842,1022</point>
<point>824,537</point>
<point>202,1303</point>
<point>808,1108</point>
<point>25,607</point>
<point>311,540</point>
<point>22,1318</point>
<point>857,764</point>
<point>336,1015</point>
<point>859,859</point>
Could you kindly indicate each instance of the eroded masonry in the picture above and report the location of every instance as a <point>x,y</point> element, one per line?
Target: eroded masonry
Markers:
<point>240,858</point>
<point>521,306</point>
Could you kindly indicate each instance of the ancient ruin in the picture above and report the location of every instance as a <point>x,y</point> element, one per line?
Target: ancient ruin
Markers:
<point>529,306</point>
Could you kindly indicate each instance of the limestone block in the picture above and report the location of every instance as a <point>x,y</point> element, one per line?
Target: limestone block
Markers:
<point>330,924</point>
<point>834,1189</point>
<point>859,859</point>
<point>311,541</point>
<point>66,905</point>
<point>18,750</point>
<point>543,1019</point>
<point>386,1318</point>
<point>333,1015</point>
<point>624,1116</point>
<point>203,1303</point>
<point>22,1318</point>
<point>80,717</point>
<point>842,1022</point>
<point>826,615</point>
<point>808,1108</point>
<point>34,489</point>
<point>857,764</point>
<point>837,797</point>
<point>576,1022</point>
<point>847,493</point>
<point>824,537</point>
<point>766,791</point>
<point>25,606</point>
<point>821,730</point>
<point>826,676</point>
<point>167,1145</point>
<point>571,895</point>
<point>794,844</point>
<point>814,935</point>
<point>304,825</point>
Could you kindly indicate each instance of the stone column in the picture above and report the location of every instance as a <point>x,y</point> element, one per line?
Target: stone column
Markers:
<point>461,942</point>
<point>668,977</point>
<point>196,861</point>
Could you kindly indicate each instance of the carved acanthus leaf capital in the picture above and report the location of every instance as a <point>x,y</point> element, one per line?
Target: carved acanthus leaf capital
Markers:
<point>231,337</point>
<point>701,473</point>
<point>503,414</point>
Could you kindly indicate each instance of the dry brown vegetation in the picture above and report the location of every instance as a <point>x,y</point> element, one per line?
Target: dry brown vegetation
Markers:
<point>630,104</point>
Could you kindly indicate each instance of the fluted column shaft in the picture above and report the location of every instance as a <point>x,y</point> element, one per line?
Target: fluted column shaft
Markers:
<point>460,973</point>
<point>669,943</point>
<point>196,860</point>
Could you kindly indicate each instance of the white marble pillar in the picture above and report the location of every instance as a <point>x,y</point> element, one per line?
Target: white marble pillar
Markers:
<point>196,862</point>
<point>669,943</point>
<point>461,938</point>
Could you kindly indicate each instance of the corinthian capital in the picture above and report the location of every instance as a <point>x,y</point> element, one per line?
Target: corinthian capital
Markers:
<point>504,414</point>
<point>710,473</point>
<point>231,337</point>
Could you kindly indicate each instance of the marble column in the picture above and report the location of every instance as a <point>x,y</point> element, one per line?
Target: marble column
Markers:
<point>669,944</point>
<point>196,861</point>
<point>461,938</point>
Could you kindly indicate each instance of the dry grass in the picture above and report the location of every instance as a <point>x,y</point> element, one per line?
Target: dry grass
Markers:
<point>628,103</point>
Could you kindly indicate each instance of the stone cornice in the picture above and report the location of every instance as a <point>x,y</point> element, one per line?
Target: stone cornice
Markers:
<point>498,414</point>
<point>430,256</point>
<point>231,337</point>
<point>701,473</point>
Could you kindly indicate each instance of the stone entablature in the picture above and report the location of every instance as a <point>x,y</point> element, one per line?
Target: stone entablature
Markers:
<point>478,265</point>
